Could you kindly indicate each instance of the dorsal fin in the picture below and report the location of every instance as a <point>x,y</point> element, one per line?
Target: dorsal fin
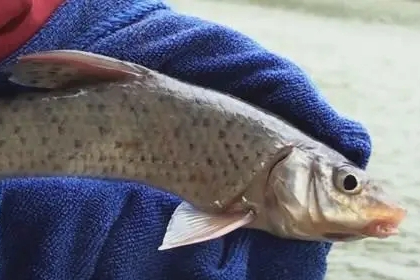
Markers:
<point>63,68</point>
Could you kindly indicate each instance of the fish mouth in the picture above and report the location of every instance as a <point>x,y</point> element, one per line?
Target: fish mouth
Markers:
<point>379,229</point>
<point>384,226</point>
<point>387,225</point>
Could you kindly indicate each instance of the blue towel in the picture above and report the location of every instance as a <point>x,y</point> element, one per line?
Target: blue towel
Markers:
<point>78,228</point>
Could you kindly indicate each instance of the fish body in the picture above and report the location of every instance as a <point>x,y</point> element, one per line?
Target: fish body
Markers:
<point>232,163</point>
<point>193,142</point>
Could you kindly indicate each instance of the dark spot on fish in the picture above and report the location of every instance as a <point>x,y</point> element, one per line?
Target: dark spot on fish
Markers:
<point>48,110</point>
<point>222,134</point>
<point>236,166</point>
<point>193,178</point>
<point>230,156</point>
<point>229,123</point>
<point>44,140</point>
<point>89,106</point>
<point>143,158</point>
<point>195,122</point>
<point>102,158</point>
<point>2,142</point>
<point>245,158</point>
<point>71,157</point>
<point>196,193</point>
<point>238,146</point>
<point>258,154</point>
<point>105,169</point>
<point>61,130</point>
<point>1,121</point>
<point>145,110</point>
<point>225,173</point>
<point>174,164</point>
<point>171,152</point>
<point>103,130</point>
<point>17,129</point>
<point>10,163</point>
<point>199,101</point>
<point>21,167</point>
<point>101,108</point>
<point>375,188</point>
<point>54,119</point>
<point>227,146</point>
<point>245,136</point>
<point>177,132</point>
<point>206,122</point>
<point>57,167</point>
<point>43,162</point>
<point>153,159</point>
<point>33,164</point>
<point>15,109</point>
<point>130,159</point>
<point>178,178</point>
<point>113,168</point>
<point>77,143</point>
<point>210,161</point>
<point>124,170</point>
<point>51,155</point>
<point>231,183</point>
<point>191,146</point>
<point>34,82</point>
<point>118,144</point>
<point>22,140</point>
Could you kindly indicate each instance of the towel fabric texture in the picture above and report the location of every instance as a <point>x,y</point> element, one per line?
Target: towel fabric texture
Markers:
<point>86,228</point>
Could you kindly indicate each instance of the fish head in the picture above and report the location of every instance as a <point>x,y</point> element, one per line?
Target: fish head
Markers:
<point>314,198</point>
<point>352,205</point>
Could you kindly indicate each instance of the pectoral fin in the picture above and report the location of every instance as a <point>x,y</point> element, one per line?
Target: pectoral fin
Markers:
<point>188,226</point>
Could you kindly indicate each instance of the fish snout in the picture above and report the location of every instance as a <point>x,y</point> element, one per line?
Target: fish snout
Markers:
<point>385,220</point>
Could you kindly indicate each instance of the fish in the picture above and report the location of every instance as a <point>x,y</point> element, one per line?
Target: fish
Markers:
<point>233,164</point>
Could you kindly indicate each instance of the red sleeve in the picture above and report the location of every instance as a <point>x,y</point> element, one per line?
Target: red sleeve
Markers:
<point>20,20</point>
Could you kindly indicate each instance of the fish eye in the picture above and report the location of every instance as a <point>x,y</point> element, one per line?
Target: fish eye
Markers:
<point>350,182</point>
<point>347,182</point>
